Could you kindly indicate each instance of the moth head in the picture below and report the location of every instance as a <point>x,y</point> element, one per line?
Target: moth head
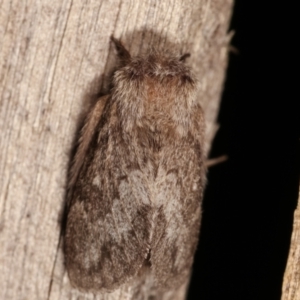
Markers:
<point>164,68</point>
<point>159,85</point>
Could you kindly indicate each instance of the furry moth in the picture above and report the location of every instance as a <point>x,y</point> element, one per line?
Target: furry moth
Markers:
<point>138,176</point>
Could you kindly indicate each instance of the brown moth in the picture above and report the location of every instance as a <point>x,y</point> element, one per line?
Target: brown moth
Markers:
<point>137,181</point>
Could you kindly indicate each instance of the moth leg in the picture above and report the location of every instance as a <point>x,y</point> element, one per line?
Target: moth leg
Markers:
<point>215,161</point>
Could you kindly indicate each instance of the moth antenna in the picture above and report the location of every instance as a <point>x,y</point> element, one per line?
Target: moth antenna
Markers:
<point>123,53</point>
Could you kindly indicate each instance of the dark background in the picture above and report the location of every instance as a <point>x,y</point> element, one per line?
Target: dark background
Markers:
<point>250,199</point>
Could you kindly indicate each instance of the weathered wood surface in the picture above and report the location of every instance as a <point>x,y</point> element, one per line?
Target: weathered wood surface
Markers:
<point>291,280</point>
<point>55,57</point>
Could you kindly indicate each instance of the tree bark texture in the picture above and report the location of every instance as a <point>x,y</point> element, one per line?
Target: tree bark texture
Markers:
<point>56,57</point>
<point>291,280</point>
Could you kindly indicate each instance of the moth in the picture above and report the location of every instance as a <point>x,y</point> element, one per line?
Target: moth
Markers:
<point>138,176</point>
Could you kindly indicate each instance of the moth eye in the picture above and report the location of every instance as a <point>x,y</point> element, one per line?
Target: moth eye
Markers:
<point>184,57</point>
<point>186,79</point>
<point>133,74</point>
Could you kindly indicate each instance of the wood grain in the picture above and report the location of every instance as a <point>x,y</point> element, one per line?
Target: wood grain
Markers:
<point>291,280</point>
<point>55,58</point>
